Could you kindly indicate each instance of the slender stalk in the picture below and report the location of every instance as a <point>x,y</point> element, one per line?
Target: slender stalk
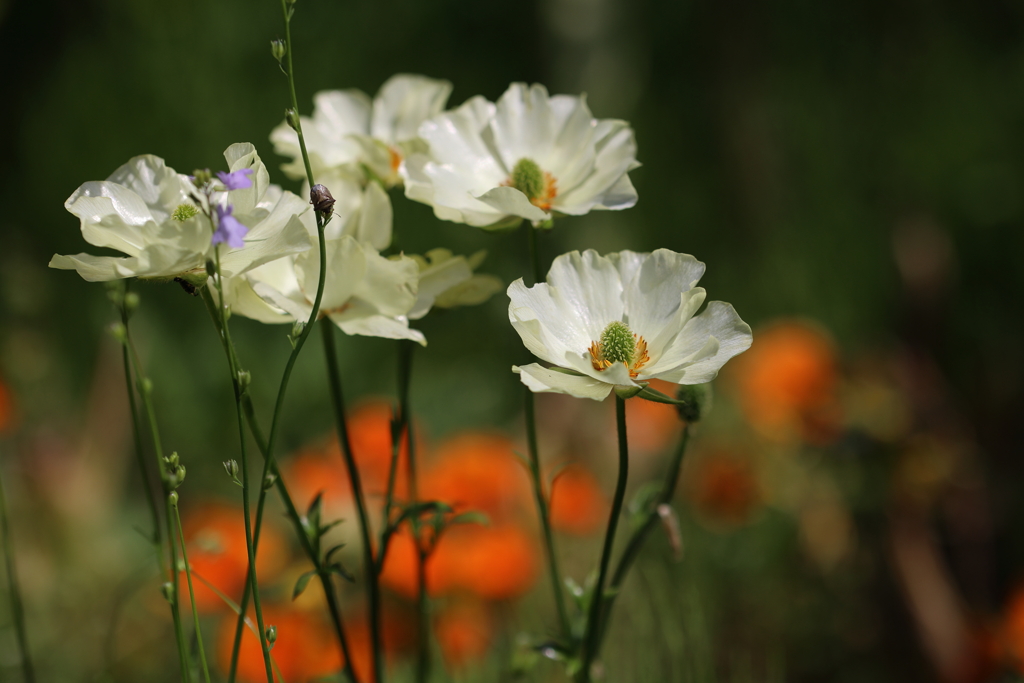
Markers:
<point>254,584</point>
<point>531,237</point>
<point>545,516</point>
<point>17,606</point>
<point>136,433</point>
<point>369,564</point>
<point>191,593</point>
<point>636,541</point>
<point>590,636</point>
<point>145,389</point>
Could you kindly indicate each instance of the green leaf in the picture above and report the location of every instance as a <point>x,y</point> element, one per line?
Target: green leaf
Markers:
<point>301,584</point>
<point>471,517</point>
<point>327,557</point>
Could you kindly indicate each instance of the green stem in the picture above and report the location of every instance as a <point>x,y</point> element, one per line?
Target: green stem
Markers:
<point>590,637</point>
<point>636,541</point>
<point>545,516</point>
<point>369,564</point>
<point>531,238</point>
<point>191,594</point>
<point>254,583</point>
<point>17,606</point>
<point>145,389</point>
<point>137,434</point>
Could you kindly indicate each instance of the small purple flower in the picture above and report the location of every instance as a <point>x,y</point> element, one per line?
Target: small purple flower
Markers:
<point>229,229</point>
<point>236,180</point>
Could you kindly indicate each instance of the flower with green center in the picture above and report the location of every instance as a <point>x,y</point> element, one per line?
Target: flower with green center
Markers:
<point>621,319</point>
<point>529,156</point>
<point>146,210</point>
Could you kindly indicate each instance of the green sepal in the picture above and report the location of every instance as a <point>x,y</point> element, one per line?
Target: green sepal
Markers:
<point>301,584</point>
<point>655,396</point>
<point>625,391</point>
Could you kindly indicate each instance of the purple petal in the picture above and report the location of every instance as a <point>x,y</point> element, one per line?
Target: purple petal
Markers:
<point>236,180</point>
<point>229,229</point>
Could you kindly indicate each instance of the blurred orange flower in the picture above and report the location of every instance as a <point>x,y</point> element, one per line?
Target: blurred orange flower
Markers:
<point>578,506</point>
<point>653,426</point>
<point>305,650</point>
<point>723,488</point>
<point>788,383</point>
<point>495,563</point>
<point>321,468</point>
<point>479,471</point>
<point>215,537</point>
<point>464,630</point>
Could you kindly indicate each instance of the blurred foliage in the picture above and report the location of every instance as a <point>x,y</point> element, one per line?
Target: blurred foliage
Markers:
<point>856,164</point>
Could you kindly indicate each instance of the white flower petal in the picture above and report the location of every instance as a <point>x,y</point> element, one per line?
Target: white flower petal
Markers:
<point>616,155</point>
<point>440,275</point>
<point>689,351</point>
<point>346,267</point>
<point>523,125</point>
<point>652,294</point>
<point>97,268</point>
<point>508,201</point>
<point>589,291</point>
<point>159,186</point>
<point>540,379</point>
<point>356,321</point>
<point>239,156</point>
<point>111,216</point>
<point>403,103</point>
<point>388,284</point>
<point>547,330</point>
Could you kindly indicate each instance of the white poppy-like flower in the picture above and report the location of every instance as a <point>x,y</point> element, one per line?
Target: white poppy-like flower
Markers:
<point>147,210</point>
<point>528,157</point>
<point>448,280</point>
<point>364,213</point>
<point>348,130</point>
<point>364,293</point>
<point>621,319</point>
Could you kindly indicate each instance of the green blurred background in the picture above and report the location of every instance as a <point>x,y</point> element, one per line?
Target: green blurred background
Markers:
<point>856,164</point>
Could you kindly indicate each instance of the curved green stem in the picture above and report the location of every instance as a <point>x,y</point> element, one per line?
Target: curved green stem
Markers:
<point>545,517</point>
<point>369,564</point>
<point>597,600</point>
<point>636,541</point>
<point>191,593</point>
<point>531,237</point>
<point>17,606</point>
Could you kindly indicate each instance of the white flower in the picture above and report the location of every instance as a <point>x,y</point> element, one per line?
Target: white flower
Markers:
<point>447,281</point>
<point>621,319</point>
<point>347,129</point>
<point>147,210</point>
<point>362,213</point>
<point>364,293</point>
<point>529,157</point>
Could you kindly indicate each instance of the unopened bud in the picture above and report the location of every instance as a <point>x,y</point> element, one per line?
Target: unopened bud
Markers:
<point>168,590</point>
<point>211,267</point>
<point>696,401</point>
<point>172,498</point>
<point>321,199</point>
<point>146,384</point>
<point>119,332</point>
<point>271,634</point>
<point>231,467</point>
<point>278,49</point>
<point>244,379</point>
<point>131,301</point>
<point>201,177</point>
<point>292,117</point>
<point>269,481</point>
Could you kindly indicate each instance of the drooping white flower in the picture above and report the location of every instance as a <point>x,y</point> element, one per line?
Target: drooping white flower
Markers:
<point>447,280</point>
<point>364,293</point>
<point>348,130</point>
<point>528,157</point>
<point>621,319</point>
<point>148,211</point>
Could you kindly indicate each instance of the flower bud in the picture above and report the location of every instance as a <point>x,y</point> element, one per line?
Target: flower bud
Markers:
<point>696,401</point>
<point>321,199</point>
<point>269,481</point>
<point>168,590</point>
<point>244,379</point>
<point>211,268</point>
<point>119,332</point>
<point>201,177</point>
<point>146,384</point>
<point>172,498</point>
<point>271,633</point>
<point>278,49</point>
<point>292,117</point>
<point>131,301</point>
<point>231,467</point>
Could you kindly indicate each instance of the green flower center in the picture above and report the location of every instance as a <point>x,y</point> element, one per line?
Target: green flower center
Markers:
<point>184,212</point>
<point>618,344</point>
<point>528,178</point>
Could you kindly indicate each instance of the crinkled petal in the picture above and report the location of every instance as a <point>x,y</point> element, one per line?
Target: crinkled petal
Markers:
<point>111,216</point>
<point>437,278</point>
<point>363,322</point>
<point>403,103</point>
<point>687,360</point>
<point>651,293</point>
<point>508,201</point>
<point>159,186</point>
<point>239,156</point>
<point>616,155</point>
<point>539,379</point>
<point>589,290</point>
<point>547,329</point>
<point>346,269</point>
<point>97,268</point>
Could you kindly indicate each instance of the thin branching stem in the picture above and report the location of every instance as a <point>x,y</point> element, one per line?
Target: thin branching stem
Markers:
<point>597,600</point>
<point>191,593</point>
<point>369,563</point>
